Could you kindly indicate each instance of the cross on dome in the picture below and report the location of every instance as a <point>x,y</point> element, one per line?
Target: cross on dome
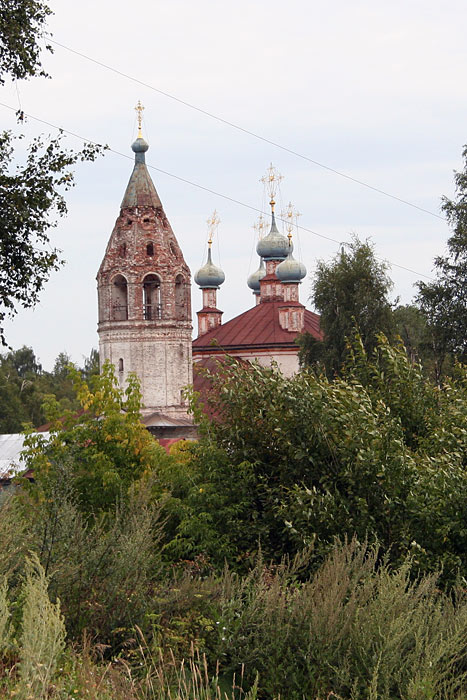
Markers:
<point>259,226</point>
<point>290,216</point>
<point>213,223</point>
<point>139,111</point>
<point>271,181</point>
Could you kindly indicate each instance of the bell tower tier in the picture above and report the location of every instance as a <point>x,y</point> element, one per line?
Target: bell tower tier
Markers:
<point>143,287</point>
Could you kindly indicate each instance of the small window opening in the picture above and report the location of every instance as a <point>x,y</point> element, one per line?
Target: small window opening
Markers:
<point>146,221</point>
<point>120,365</point>
<point>129,222</point>
<point>180,299</point>
<point>120,299</point>
<point>150,249</point>
<point>152,298</point>
<point>122,250</point>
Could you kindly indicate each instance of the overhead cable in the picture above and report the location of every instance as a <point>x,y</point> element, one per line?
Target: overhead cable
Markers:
<point>247,131</point>
<point>198,186</point>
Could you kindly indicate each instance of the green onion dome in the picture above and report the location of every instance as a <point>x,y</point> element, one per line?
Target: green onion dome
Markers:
<point>274,246</point>
<point>254,279</point>
<point>291,270</point>
<point>209,276</point>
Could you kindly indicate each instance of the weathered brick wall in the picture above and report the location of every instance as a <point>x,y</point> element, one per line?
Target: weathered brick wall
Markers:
<point>153,342</point>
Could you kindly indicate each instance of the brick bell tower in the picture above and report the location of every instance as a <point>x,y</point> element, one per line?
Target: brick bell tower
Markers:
<point>143,287</point>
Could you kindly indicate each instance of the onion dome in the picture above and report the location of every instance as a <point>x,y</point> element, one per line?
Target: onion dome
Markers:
<point>140,145</point>
<point>291,270</point>
<point>254,279</point>
<point>209,276</point>
<point>274,246</point>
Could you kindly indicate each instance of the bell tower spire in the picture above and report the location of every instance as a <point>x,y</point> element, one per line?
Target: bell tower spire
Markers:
<point>143,288</point>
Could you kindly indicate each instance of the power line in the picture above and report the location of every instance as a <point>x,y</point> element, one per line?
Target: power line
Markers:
<point>247,131</point>
<point>200,187</point>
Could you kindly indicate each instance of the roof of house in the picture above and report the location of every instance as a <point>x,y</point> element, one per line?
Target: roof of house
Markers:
<point>257,328</point>
<point>160,420</point>
<point>11,446</point>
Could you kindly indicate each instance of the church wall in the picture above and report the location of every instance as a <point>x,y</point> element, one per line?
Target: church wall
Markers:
<point>287,360</point>
<point>161,360</point>
<point>144,298</point>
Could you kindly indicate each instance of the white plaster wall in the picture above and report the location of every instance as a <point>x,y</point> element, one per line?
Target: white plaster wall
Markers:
<point>161,358</point>
<point>287,361</point>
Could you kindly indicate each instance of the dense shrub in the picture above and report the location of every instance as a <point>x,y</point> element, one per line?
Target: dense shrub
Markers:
<point>380,453</point>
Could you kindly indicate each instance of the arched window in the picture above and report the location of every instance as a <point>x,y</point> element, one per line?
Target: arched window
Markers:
<point>180,298</point>
<point>120,365</point>
<point>152,298</point>
<point>119,298</point>
<point>150,249</point>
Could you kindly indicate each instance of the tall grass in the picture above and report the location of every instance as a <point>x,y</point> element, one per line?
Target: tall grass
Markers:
<point>355,628</point>
<point>42,635</point>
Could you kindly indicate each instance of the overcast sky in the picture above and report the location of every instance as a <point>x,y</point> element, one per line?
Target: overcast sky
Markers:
<point>373,89</point>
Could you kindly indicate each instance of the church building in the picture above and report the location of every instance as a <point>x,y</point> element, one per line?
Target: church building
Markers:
<point>268,331</point>
<point>145,323</point>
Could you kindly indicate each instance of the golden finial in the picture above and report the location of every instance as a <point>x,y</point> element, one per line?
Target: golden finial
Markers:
<point>139,111</point>
<point>259,226</point>
<point>213,222</point>
<point>271,181</point>
<point>290,216</point>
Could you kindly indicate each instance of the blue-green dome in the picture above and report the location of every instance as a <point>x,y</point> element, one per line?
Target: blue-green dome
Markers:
<point>291,270</point>
<point>209,276</point>
<point>254,279</point>
<point>274,246</point>
<point>140,145</point>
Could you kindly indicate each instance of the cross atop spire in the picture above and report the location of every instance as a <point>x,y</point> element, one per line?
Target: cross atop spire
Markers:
<point>139,111</point>
<point>259,226</point>
<point>213,222</point>
<point>290,216</point>
<point>271,181</point>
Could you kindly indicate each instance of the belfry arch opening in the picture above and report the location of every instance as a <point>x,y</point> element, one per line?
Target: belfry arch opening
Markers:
<point>119,298</point>
<point>152,298</point>
<point>180,297</point>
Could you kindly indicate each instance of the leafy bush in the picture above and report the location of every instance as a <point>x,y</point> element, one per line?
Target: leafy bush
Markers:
<point>380,453</point>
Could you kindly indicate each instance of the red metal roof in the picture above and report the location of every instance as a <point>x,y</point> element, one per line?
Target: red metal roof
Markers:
<point>258,327</point>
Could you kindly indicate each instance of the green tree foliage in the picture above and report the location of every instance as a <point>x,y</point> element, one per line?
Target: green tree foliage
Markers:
<point>31,192</point>
<point>444,301</point>
<point>242,574</point>
<point>351,289</point>
<point>104,446</point>
<point>30,200</point>
<point>380,453</point>
<point>411,326</point>
<point>22,390</point>
<point>24,386</point>
<point>22,24</point>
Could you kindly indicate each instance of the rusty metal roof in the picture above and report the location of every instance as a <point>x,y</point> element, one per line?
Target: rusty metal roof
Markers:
<point>140,191</point>
<point>258,327</point>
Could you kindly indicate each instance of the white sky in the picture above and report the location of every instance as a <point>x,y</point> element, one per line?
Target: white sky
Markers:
<point>370,88</point>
